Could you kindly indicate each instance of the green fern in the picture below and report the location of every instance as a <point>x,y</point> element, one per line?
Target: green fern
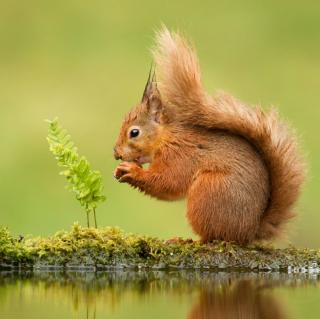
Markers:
<point>84,182</point>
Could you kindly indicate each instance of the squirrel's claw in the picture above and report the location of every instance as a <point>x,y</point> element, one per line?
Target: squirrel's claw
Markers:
<point>125,178</point>
<point>124,172</point>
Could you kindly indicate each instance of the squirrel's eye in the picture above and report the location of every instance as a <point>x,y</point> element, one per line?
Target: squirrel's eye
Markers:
<point>134,133</point>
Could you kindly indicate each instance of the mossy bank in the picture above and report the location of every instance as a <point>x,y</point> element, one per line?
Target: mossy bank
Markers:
<point>94,249</point>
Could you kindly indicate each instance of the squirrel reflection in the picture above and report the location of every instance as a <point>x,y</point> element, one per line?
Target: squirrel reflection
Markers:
<point>242,299</point>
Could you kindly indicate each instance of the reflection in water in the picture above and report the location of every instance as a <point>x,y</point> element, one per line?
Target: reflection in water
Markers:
<point>210,294</point>
<point>241,299</point>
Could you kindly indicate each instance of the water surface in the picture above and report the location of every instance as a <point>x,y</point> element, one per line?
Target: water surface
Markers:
<point>158,294</point>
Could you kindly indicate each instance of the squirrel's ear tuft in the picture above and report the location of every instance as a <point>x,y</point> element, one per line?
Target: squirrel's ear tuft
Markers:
<point>147,87</point>
<point>150,86</point>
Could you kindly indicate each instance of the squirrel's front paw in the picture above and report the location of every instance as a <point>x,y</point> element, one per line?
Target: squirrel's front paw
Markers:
<point>126,172</point>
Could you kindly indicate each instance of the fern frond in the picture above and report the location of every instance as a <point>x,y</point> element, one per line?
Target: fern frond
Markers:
<point>82,180</point>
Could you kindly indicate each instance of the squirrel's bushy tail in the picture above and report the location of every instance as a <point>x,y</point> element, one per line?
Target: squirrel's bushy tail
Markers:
<point>181,89</point>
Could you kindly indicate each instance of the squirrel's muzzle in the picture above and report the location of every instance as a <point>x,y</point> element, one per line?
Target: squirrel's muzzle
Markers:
<point>116,154</point>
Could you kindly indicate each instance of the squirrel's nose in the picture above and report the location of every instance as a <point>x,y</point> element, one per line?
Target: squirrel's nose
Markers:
<point>117,156</point>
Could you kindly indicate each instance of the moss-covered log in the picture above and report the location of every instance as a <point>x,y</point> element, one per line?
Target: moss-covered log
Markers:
<point>94,249</point>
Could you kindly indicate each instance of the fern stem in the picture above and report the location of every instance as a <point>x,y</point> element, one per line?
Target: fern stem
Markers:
<point>88,221</point>
<point>95,218</point>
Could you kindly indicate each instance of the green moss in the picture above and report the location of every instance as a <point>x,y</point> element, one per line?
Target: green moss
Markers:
<point>89,248</point>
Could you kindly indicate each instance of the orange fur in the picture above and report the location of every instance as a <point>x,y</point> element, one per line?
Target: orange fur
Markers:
<point>238,166</point>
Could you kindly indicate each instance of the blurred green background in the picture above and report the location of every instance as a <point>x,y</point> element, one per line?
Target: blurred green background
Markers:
<point>87,61</point>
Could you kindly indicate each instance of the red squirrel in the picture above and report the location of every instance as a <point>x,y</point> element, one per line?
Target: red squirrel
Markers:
<point>238,167</point>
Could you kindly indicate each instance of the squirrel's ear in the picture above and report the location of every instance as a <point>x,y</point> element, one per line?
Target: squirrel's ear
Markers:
<point>151,97</point>
<point>155,108</point>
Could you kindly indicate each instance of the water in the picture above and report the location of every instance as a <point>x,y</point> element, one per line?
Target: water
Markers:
<point>150,294</point>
